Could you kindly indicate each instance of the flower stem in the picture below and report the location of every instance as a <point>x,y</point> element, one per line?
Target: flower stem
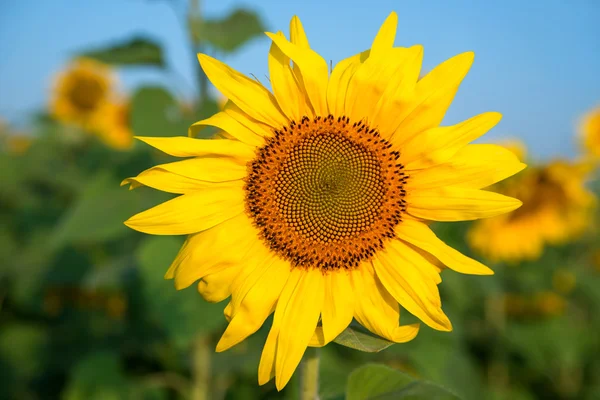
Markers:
<point>201,352</point>
<point>309,375</point>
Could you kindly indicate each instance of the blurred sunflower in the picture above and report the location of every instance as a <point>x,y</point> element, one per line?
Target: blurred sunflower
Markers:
<point>81,91</point>
<point>590,133</point>
<point>548,304</point>
<point>112,124</point>
<point>18,143</point>
<point>316,211</point>
<point>556,209</point>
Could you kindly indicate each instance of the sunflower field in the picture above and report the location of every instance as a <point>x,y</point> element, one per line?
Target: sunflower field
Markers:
<point>294,236</point>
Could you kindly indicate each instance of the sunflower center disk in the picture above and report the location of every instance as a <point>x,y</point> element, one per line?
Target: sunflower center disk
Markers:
<point>86,93</point>
<point>326,193</point>
<point>539,193</point>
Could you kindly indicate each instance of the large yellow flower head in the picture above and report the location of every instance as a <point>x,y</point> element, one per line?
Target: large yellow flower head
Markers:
<point>317,210</point>
<point>590,133</point>
<point>80,91</point>
<point>556,209</point>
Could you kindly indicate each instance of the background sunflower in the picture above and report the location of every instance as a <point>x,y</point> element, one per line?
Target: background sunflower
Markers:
<point>84,309</point>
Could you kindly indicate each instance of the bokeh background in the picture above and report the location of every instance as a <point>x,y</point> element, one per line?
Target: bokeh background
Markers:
<point>84,311</point>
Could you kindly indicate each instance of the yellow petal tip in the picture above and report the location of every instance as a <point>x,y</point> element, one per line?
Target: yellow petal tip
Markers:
<point>221,347</point>
<point>469,55</point>
<point>393,16</point>
<point>272,35</point>
<point>203,58</point>
<point>516,204</point>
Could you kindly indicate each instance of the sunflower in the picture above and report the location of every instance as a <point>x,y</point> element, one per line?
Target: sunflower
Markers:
<point>317,211</point>
<point>80,91</point>
<point>111,124</point>
<point>590,133</point>
<point>556,209</point>
<point>548,304</point>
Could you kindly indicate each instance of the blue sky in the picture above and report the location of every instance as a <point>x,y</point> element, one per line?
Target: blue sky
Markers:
<point>537,62</point>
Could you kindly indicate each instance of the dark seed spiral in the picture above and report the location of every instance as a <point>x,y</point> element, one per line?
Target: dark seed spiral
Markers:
<point>326,192</point>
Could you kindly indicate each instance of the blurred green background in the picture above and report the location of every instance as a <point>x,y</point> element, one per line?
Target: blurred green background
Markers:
<point>85,312</point>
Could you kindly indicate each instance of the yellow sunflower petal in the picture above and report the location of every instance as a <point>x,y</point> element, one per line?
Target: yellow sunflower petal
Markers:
<point>226,122</point>
<point>458,204</point>
<point>257,304</point>
<point>339,80</point>
<point>266,367</point>
<point>426,273</point>
<point>399,91</point>
<point>338,306</point>
<point>181,256</point>
<point>212,250</point>
<point>249,95</point>
<point>370,81</point>
<point>433,96</point>
<point>239,115</point>
<point>420,235</point>
<point>218,169</point>
<point>376,309</point>
<point>181,146</point>
<point>190,213</point>
<point>297,34</point>
<point>403,279</point>
<point>216,287</point>
<point>288,93</point>
<point>298,309</point>
<point>438,145</point>
<point>314,71</point>
<point>258,262</point>
<point>386,36</point>
<point>169,182</point>
<point>474,166</point>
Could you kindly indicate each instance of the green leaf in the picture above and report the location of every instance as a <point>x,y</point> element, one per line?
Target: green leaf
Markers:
<point>22,348</point>
<point>334,368</point>
<point>136,51</point>
<point>230,33</point>
<point>358,338</point>
<point>154,112</point>
<point>183,314</point>
<point>97,377</point>
<point>376,381</point>
<point>97,214</point>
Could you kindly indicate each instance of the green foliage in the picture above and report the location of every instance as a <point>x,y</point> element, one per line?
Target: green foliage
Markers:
<point>374,381</point>
<point>97,214</point>
<point>154,112</point>
<point>182,314</point>
<point>97,377</point>
<point>358,338</point>
<point>20,348</point>
<point>230,33</point>
<point>137,51</point>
